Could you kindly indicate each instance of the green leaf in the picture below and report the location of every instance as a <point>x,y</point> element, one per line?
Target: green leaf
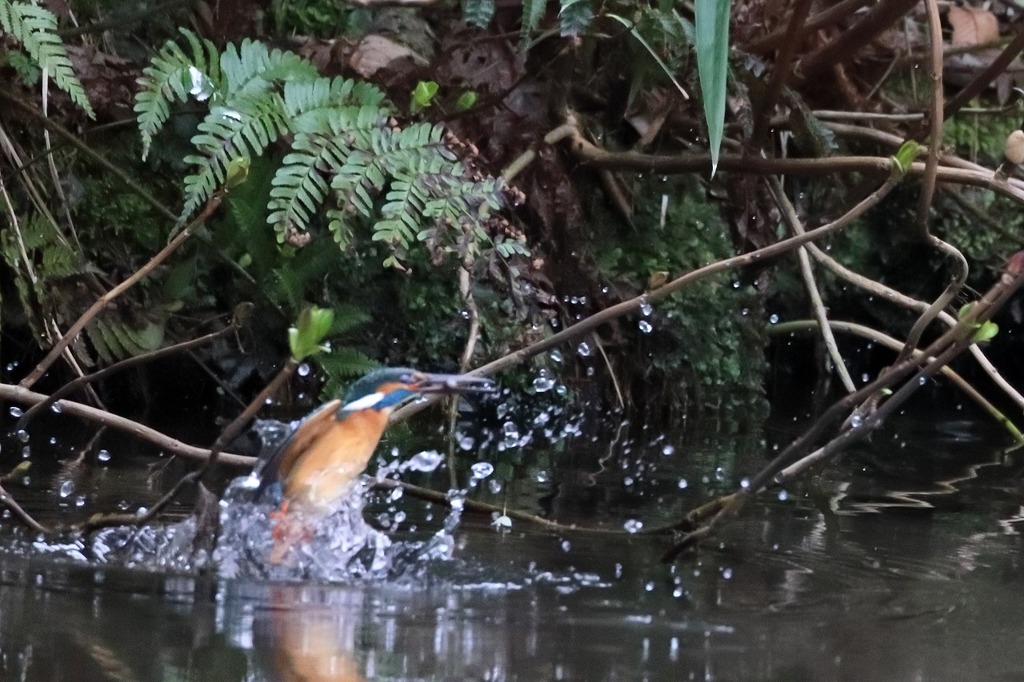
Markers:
<point>467,100</point>
<point>908,151</point>
<point>423,95</point>
<point>650,50</point>
<point>306,337</point>
<point>238,171</point>
<point>986,332</point>
<point>712,43</point>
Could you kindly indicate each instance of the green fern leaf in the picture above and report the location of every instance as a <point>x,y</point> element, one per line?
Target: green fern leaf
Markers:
<point>575,17</point>
<point>478,12</point>
<point>299,184</point>
<point>36,29</point>
<point>406,200</point>
<point>229,133</point>
<point>252,68</point>
<point>533,12</point>
<point>339,227</point>
<point>172,76</point>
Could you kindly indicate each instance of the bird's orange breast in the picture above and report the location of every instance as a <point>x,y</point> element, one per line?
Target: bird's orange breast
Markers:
<point>324,470</point>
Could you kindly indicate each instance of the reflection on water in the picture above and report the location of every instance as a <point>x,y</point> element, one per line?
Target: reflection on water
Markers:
<point>810,587</point>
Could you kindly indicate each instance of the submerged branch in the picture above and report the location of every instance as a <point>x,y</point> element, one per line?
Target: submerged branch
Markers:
<point>869,411</point>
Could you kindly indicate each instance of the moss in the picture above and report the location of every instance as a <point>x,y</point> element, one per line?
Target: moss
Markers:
<point>705,343</point>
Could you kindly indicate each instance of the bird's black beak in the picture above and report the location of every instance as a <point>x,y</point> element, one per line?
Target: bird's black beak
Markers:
<point>452,383</point>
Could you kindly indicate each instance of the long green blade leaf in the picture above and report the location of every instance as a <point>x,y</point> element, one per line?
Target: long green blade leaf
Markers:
<point>712,42</point>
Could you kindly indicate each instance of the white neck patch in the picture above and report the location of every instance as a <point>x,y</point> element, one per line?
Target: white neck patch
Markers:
<point>366,402</point>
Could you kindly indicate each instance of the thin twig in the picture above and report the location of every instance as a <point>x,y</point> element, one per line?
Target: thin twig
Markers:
<point>212,457</point>
<point>988,74</point>
<point>931,166</point>
<point>781,72</point>
<point>832,15</point>
<point>152,356</point>
<point>938,354</point>
<point>23,396</point>
<point>817,304</point>
<point>104,300</point>
<point>636,303</point>
<point>889,342</point>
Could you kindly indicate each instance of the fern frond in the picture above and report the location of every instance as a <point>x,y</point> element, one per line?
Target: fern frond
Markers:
<point>339,227</point>
<point>309,104</point>
<point>171,76</point>
<point>406,200</point>
<point>533,12</point>
<point>299,184</point>
<point>575,17</point>
<point>458,200</point>
<point>252,68</point>
<point>478,12</point>
<point>36,29</point>
<point>346,363</point>
<point>229,133</point>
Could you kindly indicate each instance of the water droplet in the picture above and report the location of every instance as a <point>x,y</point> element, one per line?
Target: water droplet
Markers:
<point>856,421</point>
<point>583,350</point>
<point>481,470</point>
<point>633,525</point>
<point>103,455</point>
<point>773,319</point>
<point>555,355</point>
<point>15,411</point>
<point>645,308</point>
<point>466,442</point>
<point>649,586</point>
<point>565,545</point>
<point>541,419</point>
<point>543,382</point>
<point>645,326</point>
<point>66,488</point>
<point>457,499</point>
<point>745,483</point>
<point>922,381</point>
<point>501,522</point>
<point>783,496</point>
<point>541,476</point>
<point>302,370</point>
<point>727,573</point>
<point>56,408</point>
<point>22,435</point>
<point>425,461</point>
<point>683,484</point>
<point>668,450</point>
<point>865,377</point>
<point>511,433</point>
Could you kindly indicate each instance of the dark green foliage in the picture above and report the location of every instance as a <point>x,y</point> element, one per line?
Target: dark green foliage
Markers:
<point>346,151</point>
<point>35,28</point>
<point>706,338</point>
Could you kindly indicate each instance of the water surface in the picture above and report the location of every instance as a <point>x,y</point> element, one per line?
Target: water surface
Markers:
<point>902,563</point>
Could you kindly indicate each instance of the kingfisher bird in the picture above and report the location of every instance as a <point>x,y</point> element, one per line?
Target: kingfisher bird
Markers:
<point>317,465</point>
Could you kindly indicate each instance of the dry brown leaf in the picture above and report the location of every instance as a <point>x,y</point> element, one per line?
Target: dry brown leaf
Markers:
<point>972,26</point>
<point>376,52</point>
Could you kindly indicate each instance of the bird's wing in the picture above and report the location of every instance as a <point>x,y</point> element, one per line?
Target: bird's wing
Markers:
<point>279,461</point>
